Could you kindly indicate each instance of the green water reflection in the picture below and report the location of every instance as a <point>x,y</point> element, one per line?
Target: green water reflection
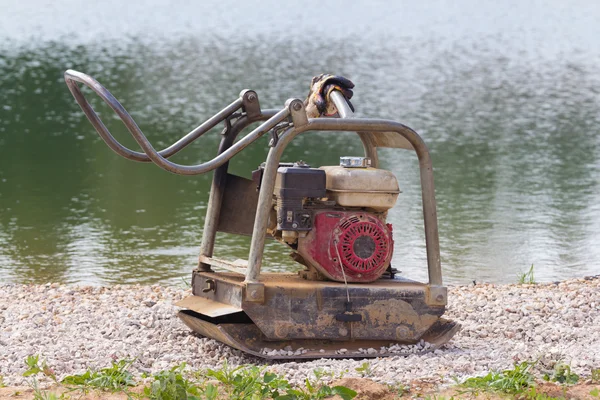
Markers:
<point>515,146</point>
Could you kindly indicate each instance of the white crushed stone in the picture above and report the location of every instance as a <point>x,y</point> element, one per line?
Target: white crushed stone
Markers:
<point>75,328</point>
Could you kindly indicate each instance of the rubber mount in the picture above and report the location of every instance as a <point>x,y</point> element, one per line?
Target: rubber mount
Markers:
<point>364,244</point>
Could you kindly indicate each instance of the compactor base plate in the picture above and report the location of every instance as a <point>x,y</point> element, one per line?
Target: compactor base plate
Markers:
<point>249,339</point>
<point>295,318</point>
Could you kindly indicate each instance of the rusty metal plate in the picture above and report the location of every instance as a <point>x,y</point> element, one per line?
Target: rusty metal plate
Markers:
<point>207,307</point>
<point>386,139</point>
<point>238,209</point>
<point>249,339</point>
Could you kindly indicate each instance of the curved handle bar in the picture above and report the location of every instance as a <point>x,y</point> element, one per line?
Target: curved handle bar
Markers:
<point>160,158</point>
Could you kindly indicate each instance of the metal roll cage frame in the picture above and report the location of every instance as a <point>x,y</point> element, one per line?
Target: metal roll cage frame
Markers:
<point>246,110</point>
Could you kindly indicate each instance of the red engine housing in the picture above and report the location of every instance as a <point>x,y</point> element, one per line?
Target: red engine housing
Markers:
<point>354,245</point>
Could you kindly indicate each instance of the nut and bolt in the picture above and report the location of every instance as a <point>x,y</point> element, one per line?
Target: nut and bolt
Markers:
<point>251,97</point>
<point>297,106</point>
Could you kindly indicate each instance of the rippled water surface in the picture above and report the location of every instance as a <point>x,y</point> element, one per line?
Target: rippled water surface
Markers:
<point>507,96</point>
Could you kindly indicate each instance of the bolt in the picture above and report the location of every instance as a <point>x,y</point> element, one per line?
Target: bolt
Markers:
<point>254,294</point>
<point>294,225</point>
<point>272,142</point>
<point>251,98</point>
<point>439,298</point>
<point>297,106</point>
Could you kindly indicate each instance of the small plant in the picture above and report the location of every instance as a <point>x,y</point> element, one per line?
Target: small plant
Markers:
<point>527,277</point>
<point>595,393</point>
<point>400,389</point>
<point>532,394</point>
<point>511,381</point>
<point>562,374</point>
<point>116,378</point>
<point>172,385</point>
<point>320,373</point>
<point>39,394</point>
<point>364,370</point>
<point>251,382</point>
<point>595,375</point>
<point>2,384</point>
<point>34,368</point>
<point>314,392</point>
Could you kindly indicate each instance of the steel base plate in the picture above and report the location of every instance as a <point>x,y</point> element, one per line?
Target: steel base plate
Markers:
<point>249,339</point>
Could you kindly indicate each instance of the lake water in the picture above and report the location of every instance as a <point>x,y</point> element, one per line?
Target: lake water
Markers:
<point>506,95</point>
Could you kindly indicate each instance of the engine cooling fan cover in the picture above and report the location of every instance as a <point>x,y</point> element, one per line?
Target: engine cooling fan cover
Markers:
<point>364,244</point>
<point>350,245</point>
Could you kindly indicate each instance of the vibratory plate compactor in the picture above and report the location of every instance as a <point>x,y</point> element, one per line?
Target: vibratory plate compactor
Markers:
<point>348,301</point>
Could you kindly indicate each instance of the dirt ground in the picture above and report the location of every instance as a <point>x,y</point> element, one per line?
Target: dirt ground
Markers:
<point>366,389</point>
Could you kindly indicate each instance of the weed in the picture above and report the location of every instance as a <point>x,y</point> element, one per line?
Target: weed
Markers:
<point>527,277</point>
<point>2,384</point>
<point>532,394</point>
<point>171,385</point>
<point>251,382</point>
<point>320,373</point>
<point>595,393</point>
<point>511,381</point>
<point>34,368</point>
<point>399,389</point>
<point>116,378</point>
<point>39,394</point>
<point>595,375</point>
<point>562,374</point>
<point>313,392</point>
<point>364,369</point>
<point>186,282</point>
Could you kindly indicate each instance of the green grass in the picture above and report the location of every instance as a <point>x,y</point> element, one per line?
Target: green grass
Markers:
<point>527,277</point>
<point>234,383</point>
<point>511,381</point>
<point>595,375</point>
<point>251,382</point>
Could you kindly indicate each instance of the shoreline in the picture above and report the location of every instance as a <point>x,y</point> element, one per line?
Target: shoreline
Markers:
<point>79,327</point>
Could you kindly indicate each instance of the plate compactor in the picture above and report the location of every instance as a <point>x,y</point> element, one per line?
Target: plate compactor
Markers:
<point>347,301</point>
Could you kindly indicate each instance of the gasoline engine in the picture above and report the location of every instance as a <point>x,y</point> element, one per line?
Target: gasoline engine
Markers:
<point>334,218</point>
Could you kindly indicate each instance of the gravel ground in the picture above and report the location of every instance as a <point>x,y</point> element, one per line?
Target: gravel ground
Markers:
<point>75,328</point>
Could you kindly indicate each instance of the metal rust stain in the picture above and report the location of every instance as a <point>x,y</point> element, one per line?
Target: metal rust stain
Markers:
<point>397,312</point>
<point>325,320</point>
<point>207,307</point>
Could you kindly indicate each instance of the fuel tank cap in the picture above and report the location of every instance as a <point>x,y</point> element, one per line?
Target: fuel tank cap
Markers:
<point>355,162</point>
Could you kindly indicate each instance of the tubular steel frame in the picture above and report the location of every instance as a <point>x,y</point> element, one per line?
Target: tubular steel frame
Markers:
<point>250,110</point>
